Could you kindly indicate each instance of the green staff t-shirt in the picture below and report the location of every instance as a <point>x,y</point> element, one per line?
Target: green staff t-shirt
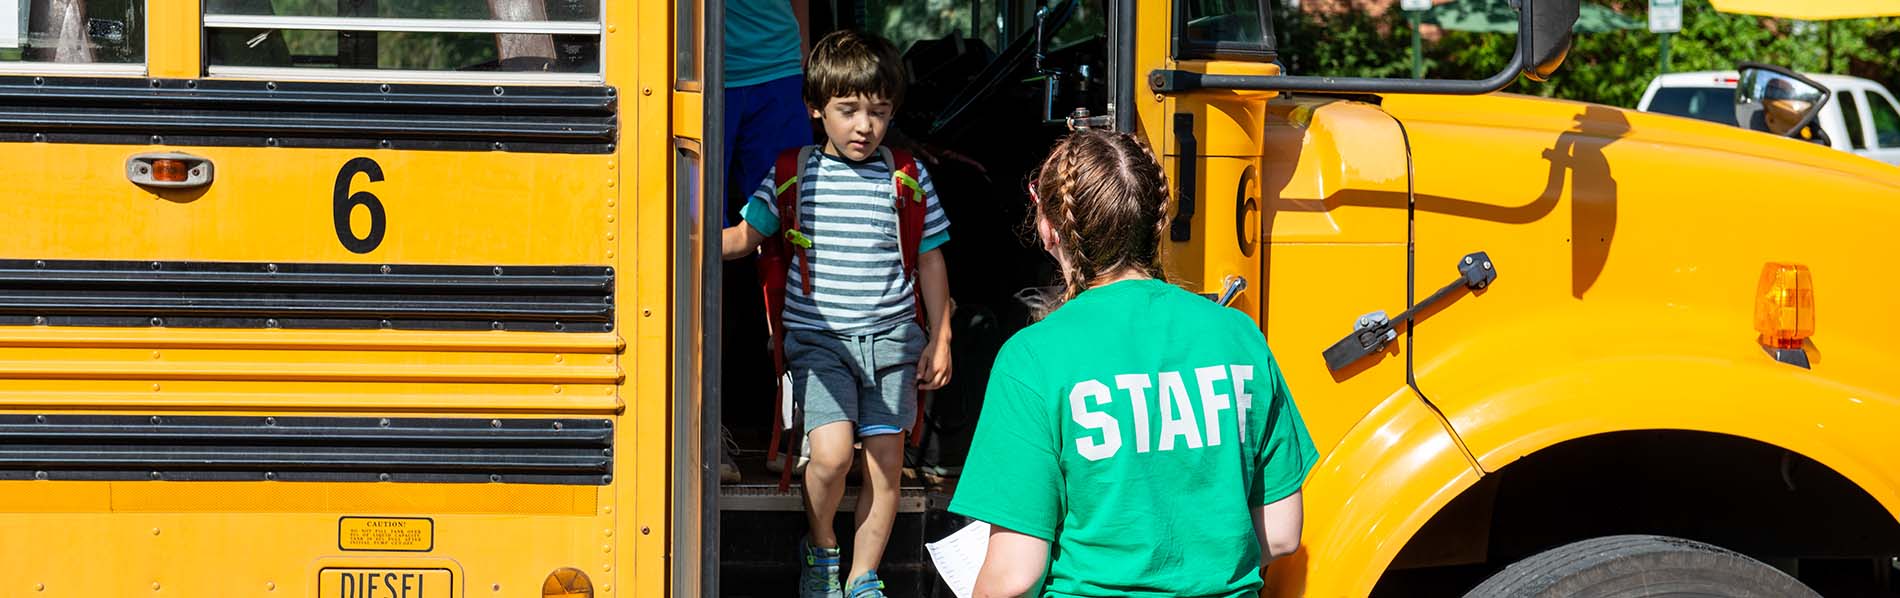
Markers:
<point>1136,428</point>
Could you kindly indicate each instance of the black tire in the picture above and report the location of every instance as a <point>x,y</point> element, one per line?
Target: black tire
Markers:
<point>1639,566</point>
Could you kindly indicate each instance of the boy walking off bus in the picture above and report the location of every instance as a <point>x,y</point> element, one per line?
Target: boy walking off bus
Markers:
<point>857,294</point>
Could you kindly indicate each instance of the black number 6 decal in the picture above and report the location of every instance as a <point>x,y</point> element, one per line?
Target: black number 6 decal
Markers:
<point>345,202</point>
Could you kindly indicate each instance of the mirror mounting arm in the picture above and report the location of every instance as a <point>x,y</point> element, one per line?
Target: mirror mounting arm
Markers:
<point>1177,81</point>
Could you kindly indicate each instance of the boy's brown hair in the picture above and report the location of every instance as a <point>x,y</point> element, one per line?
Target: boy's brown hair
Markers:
<point>850,63</point>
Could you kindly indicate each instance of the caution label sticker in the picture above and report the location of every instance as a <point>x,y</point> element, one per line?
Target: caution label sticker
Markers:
<point>405,534</point>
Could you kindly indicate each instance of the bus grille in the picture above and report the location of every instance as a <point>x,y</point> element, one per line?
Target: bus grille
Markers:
<point>313,449</point>
<point>287,295</point>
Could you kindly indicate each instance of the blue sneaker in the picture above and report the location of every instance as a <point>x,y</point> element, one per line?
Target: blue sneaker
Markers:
<point>867,586</point>
<point>818,573</point>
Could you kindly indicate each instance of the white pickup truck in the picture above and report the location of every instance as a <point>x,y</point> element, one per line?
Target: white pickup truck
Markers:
<point>1860,116</point>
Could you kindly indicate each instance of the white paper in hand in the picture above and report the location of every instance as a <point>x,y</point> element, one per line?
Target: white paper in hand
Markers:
<point>960,555</point>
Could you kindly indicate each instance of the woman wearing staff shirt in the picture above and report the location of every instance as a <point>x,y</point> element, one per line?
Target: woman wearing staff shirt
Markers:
<point>1139,440</point>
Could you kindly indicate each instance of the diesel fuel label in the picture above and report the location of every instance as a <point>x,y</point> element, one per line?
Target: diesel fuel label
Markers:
<point>411,534</point>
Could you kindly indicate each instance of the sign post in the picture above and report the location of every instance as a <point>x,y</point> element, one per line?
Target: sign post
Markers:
<point>1665,19</point>
<point>1415,12</point>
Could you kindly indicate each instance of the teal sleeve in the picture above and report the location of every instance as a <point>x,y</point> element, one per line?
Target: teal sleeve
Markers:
<point>1287,453</point>
<point>758,213</point>
<point>1012,478</point>
<point>933,242</point>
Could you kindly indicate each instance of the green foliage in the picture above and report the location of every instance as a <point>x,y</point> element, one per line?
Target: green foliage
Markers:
<point>1608,68</point>
<point>1350,44</point>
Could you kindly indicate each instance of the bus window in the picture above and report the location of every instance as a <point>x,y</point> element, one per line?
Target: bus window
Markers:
<point>686,44</point>
<point>1222,29</point>
<point>97,32</point>
<point>477,37</point>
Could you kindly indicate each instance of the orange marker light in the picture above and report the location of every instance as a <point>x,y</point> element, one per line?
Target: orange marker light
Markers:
<point>567,582</point>
<point>168,170</point>
<point>1784,305</point>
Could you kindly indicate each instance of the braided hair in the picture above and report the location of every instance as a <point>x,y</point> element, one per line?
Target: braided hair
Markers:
<point>1106,198</point>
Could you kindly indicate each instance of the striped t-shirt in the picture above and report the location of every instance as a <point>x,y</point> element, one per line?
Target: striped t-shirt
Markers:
<point>849,211</point>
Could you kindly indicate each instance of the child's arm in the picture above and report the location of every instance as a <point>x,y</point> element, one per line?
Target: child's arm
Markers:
<point>933,369</point>
<point>739,240</point>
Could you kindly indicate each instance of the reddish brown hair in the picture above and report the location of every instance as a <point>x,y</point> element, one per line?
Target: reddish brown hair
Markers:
<point>1107,199</point>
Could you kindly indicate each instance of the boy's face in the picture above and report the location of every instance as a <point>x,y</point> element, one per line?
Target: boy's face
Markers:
<point>854,125</point>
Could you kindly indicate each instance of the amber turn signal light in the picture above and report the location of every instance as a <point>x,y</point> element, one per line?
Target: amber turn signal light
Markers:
<point>169,171</point>
<point>567,582</point>
<point>1784,305</point>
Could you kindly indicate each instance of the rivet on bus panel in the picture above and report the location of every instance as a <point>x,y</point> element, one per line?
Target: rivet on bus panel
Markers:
<point>610,203</point>
<point>382,477</point>
<point>154,388</point>
<point>155,531</point>
<point>154,586</point>
<point>494,477</point>
<point>39,587</point>
<point>270,586</point>
<point>497,587</point>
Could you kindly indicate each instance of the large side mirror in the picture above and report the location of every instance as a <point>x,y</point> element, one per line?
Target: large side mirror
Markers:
<point>1543,40</point>
<point>1544,32</point>
<point>1776,100</point>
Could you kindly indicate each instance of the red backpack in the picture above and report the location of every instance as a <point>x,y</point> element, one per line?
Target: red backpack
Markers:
<point>775,262</point>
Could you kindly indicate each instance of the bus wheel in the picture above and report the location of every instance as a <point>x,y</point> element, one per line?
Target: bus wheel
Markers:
<point>1639,566</point>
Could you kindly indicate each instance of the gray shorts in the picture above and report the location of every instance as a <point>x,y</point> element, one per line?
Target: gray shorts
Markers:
<point>870,380</point>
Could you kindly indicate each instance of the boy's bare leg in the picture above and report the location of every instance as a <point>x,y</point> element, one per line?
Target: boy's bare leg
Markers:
<point>825,477</point>
<point>884,462</point>
<point>863,504</point>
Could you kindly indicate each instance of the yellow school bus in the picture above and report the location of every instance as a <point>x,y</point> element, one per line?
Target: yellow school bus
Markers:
<point>415,299</point>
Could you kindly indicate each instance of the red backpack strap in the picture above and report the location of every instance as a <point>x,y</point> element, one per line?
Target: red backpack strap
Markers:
<point>907,184</point>
<point>775,257</point>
